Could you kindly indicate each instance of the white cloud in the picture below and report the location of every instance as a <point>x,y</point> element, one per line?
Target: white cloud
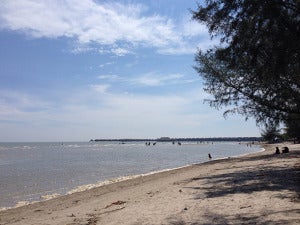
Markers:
<point>178,50</point>
<point>120,51</point>
<point>6,110</point>
<point>18,100</point>
<point>82,49</point>
<point>193,35</point>
<point>101,88</point>
<point>105,24</point>
<point>105,64</point>
<point>151,79</point>
<point>109,77</point>
<point>191,28</point>
<point>17,109</point>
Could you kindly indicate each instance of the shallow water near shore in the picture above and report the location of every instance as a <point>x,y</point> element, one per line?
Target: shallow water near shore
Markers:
<point>37,171</point>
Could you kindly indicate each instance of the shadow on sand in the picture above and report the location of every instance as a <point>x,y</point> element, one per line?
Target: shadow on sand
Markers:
<point>241,219</point>
<point>263,177</point>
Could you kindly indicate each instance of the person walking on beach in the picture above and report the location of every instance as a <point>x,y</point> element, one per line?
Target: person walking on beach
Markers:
<point>209,156</point>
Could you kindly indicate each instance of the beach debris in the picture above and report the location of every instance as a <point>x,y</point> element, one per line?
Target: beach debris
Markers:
<point>115,203</point>
<point>244,207</point>
<point>185,208</point>
<point>261,175</point>
<point>150,193</point>
<point>38,210</point>
<point>92,221</point>
<point>180,190</point>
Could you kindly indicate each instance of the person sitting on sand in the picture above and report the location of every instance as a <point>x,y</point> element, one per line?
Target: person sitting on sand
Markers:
<point>285,150</point>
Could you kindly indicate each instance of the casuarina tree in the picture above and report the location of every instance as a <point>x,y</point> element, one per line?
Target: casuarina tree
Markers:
<point>255,69</point>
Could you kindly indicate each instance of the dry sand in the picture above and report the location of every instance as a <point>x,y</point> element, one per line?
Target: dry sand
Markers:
<point>260,188</point>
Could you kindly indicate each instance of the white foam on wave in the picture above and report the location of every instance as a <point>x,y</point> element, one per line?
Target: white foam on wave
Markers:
<point>22,203</point>
<point>4,208</point>
<point>89,186</point>
<point>50,196</point>
<point>19,204</point>
<point>25,147</point>
<point>28,202</point>
<point>119,179</point>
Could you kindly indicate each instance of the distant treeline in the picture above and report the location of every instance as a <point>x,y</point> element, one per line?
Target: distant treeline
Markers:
<point>167,139</point>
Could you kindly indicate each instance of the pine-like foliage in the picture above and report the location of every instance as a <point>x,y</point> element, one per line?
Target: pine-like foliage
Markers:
<point>256,67</point>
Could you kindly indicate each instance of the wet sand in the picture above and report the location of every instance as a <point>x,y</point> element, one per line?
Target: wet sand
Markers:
<point>261,188</point>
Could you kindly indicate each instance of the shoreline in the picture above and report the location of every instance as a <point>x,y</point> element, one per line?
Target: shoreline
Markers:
<point>99,184</point>
<point>174,195</point>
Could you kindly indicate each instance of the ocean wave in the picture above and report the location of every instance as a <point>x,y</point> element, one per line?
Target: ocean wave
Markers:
<point>50,196</point>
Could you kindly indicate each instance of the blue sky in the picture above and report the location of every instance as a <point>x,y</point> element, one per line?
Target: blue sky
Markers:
<point>78,70</point>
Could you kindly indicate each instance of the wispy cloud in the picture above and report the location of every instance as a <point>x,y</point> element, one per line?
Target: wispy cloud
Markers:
<point>109,77</point>
<point>86,114</point>
<point>101,88</point>
<point>144,114</point>
<point>20,101</point>
<point>149,79</point>
<point>17,107</point>
<point>105,64</point>
<point>121,51</point>
<point>93,24</point>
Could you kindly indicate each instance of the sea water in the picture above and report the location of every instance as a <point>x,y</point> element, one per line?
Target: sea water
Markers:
<point>36,171</point>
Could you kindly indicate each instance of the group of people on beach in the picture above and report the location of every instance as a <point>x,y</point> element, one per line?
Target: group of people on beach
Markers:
<point>149,143</point>
<point>284,150</point>
<point>179,143</point>
<point>154,143</point>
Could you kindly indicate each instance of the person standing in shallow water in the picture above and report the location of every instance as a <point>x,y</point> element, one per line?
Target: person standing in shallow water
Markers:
<point>209,156</point>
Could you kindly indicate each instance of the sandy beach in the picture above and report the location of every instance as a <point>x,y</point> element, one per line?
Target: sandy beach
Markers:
<point>261,188</point>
